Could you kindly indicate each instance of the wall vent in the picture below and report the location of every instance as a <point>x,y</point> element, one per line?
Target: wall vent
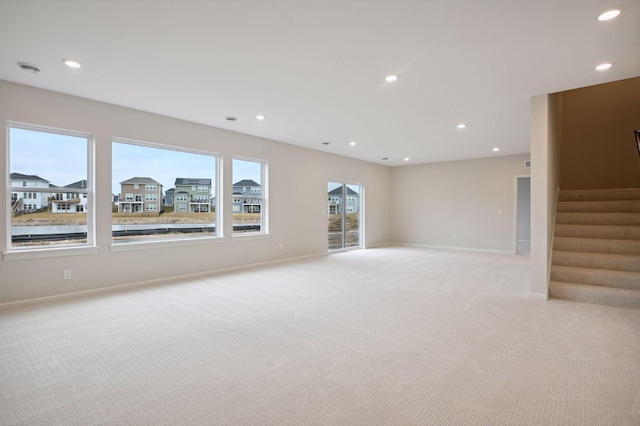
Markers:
<point>527,164</point>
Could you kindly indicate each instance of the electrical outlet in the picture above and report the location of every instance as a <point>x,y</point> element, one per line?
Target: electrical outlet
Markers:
<point>453,237</point>
<point>281,246</point>
<point>499,212</point>
<point>67,274</point>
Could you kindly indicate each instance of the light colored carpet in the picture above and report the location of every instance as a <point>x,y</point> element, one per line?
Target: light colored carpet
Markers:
<point>387,336</point>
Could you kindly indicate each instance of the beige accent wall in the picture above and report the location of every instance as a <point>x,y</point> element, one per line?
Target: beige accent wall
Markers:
<point>597,148</point>
<point>432,203</point>
<point>297,197</point>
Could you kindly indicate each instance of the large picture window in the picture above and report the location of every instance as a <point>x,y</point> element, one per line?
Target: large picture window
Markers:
<point>162,193</point>
<point>249,196</point>
<point>55,168</point>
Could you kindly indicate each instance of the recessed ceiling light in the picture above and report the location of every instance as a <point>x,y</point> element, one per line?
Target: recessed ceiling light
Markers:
<point>231,118</point>
<point>326,143</point>
<point>385,158</point>
<point>406,158</point>
<point>33,69</point>
<point>496,149</point>
<point>260,117</point>
<point>72,63</point>
<point>352,143</point>
<point>461,126</point>
<point>609,14</point>
<point>603,67</point>
<point>391,78</point>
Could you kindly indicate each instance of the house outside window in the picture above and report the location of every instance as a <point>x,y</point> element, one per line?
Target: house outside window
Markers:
<point>196,191</point>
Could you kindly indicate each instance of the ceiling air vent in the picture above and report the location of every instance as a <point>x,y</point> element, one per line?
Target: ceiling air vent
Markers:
<point>527,164</point>
<point>29,67</point>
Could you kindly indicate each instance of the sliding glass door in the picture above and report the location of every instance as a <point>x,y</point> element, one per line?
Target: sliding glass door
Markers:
<point>344,212</point>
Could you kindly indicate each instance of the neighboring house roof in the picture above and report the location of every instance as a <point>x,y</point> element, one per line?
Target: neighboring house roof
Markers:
<point>170,190</point>
<point>20,176</point>
<point>192,181</point>
<point>338,191</point>
<point>81,184</point>
<point>53,186</point>
<point>144,180</point>
<point>238,193</point>
<point>246,182</point>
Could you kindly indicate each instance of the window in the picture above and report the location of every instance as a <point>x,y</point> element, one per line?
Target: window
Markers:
<point>34,221</point>
<point>158,168</point>
<point>344,229</point>
<point>128,197</point>
<point>249,212</point>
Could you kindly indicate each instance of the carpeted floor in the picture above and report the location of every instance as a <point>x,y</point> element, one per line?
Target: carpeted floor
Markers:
<point>387,336</point>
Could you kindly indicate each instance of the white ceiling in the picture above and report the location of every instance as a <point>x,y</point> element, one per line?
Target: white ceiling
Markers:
<point>316,68</point>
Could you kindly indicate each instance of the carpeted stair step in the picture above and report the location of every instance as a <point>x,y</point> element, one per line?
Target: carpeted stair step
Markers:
<point>619,297</point>
<point>600,277</point>
<point>598,231</point>
<point>612,262</point>
<point>597,245</point>
<point>599,194</point>
<point>581,218</point>
<point>614,206</point>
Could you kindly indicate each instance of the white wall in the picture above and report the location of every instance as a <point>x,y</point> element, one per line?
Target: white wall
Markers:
<point>298,197</point>
<point>544,187</point>
<point>433,202</point>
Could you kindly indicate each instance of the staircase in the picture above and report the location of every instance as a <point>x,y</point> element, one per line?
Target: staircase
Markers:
<point>596,247</point>
<point>16,205</point>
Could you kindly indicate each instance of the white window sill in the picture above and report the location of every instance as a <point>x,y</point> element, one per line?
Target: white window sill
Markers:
<point>249,236</point>
<point>42,253</point>
<point>145,245</point>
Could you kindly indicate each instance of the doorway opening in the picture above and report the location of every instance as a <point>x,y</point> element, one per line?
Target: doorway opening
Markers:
<point>344,214</point>
<point>523,215</point>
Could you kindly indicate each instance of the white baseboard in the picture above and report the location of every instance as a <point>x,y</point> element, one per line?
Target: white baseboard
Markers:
<point>378,245</point>
<point>538,296</point>
<point>455,248</point>
<point>146,283</point>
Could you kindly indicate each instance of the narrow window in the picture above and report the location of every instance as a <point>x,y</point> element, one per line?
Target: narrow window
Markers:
<point>249,211</point>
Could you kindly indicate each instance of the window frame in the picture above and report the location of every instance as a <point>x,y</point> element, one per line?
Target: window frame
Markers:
<point>216,186</point>
<point>88,247</point>
<point>264,196</point>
